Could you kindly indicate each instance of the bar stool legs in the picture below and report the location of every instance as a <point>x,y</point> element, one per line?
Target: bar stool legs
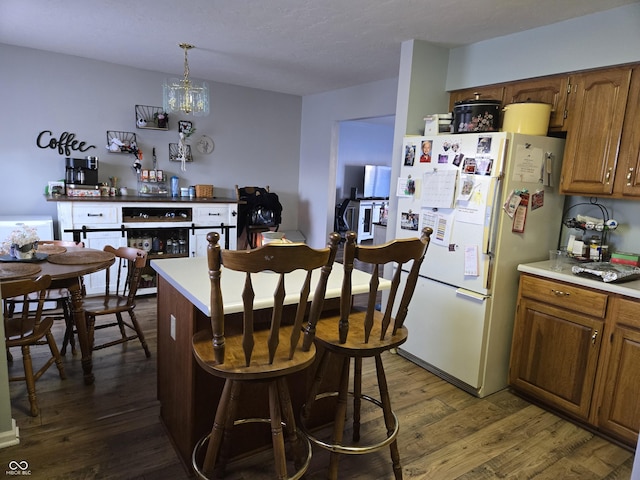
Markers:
<point>337,446</point>
<point>281,420</point>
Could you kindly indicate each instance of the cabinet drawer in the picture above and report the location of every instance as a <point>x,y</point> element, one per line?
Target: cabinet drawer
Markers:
<point>211,215</point>
<point>94,214</point>
<point>627,312</point>
<point>564,295</point>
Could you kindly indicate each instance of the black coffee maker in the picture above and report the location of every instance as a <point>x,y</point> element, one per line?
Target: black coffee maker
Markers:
<point>81,171</point>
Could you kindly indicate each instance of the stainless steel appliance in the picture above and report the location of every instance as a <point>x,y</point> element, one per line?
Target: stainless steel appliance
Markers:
<point>492,201</point>
<point>81,171</point>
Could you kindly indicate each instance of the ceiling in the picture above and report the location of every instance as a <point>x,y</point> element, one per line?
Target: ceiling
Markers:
<point>299,47</point>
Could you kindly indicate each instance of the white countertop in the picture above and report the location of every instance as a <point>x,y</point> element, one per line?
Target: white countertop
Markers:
<point>190,276</point>
<point>629,289</point>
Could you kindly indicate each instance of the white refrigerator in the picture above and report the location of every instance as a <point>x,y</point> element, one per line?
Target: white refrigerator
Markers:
<point>492,200</point>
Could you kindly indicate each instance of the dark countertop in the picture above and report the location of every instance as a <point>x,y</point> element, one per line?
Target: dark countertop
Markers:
<point>139,199</point>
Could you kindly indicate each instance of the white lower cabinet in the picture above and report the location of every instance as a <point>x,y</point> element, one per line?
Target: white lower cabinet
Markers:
<point>95,283</point>
<point>163,229</point>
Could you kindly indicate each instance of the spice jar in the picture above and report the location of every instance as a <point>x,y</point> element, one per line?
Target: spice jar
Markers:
<point>594,249</point>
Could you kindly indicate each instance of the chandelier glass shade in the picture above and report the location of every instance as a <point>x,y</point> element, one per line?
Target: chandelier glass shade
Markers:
<point>183,95</point>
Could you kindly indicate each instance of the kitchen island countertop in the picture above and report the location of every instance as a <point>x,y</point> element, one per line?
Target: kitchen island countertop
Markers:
<point>190,277</point>
<point>543,269</point>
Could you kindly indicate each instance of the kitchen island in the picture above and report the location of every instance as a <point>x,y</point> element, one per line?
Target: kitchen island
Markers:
<point>576,348</point>
<point>188,396</point>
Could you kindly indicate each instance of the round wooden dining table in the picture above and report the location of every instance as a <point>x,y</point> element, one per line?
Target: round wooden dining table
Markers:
<point>66,269</point>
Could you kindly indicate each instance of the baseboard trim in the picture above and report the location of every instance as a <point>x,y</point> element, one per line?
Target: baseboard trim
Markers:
<point>11,437</point>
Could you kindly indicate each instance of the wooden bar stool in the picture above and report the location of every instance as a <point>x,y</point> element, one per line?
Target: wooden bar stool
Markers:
<point>363,333</point>
<point>260,356</point>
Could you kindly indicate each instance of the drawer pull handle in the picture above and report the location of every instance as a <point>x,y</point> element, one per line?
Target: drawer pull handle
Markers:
<point>594,337</point>
<point>560,293</point>
<point>94,214</point>
<point>214,214</point>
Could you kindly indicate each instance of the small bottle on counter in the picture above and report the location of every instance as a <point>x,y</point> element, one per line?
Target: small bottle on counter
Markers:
<point>594,249</point>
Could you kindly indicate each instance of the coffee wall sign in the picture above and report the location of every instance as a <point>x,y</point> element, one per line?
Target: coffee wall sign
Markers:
<point>65,143</point>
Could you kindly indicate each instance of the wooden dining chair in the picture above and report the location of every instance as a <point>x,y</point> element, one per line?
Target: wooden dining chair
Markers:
<point>59,296</point>
<point>255,355</point>
<point>28,329</point>
<point>359,333</point>
<point>119,298</point>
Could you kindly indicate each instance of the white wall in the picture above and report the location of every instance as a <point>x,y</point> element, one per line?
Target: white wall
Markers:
<point>256,132</point>
<point>608,38</point>
<point>318,148</point>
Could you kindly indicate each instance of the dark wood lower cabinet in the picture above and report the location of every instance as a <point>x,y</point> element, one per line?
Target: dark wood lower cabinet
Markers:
<point>577,350</point>
<point>189,396</point>
<point>619,413</point>
<point>555,356</point>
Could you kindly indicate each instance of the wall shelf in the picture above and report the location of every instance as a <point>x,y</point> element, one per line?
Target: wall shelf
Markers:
<point>146,118</point>
<point>127,139</point>
<point>173,153</point>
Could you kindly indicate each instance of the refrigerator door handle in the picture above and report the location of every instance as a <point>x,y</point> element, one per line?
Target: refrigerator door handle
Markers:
<point>471,294</point>
<point>494,204</point>
<point>494,212</point>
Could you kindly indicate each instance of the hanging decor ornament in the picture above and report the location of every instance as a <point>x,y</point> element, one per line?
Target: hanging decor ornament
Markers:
<point>185,95</point>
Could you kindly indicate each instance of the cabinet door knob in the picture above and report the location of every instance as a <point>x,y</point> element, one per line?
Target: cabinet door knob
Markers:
<point>629,176</point>
<point>607,177</point>
<point>594,337</point>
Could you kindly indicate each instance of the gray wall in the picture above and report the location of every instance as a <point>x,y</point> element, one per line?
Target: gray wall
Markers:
<point>321,115</point>
<point>256,132</point>
<point>608,38</point>
<point>592,41</point>
<point>361,143</point>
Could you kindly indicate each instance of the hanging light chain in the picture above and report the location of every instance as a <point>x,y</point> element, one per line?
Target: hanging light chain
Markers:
<point>186,47</point>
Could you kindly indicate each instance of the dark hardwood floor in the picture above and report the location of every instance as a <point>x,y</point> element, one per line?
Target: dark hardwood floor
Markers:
<point>111,430</point>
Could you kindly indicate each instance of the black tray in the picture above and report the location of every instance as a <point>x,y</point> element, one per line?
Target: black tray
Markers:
<point>38,257</point>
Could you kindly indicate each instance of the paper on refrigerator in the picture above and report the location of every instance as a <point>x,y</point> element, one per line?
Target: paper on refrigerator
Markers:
<point>441,222</point>
<point>439,188</point>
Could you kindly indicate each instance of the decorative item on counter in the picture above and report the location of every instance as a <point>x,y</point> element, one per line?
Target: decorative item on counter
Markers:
<point>55,188</point>
<point>607,272</point>
<point>623,258</point>
<point>22,243</point>
<point>579,245</point>
<point>175,186</point>
<point>204,191</point>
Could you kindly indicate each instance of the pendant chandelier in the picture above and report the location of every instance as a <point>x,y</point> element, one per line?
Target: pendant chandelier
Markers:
<point>182,95</point>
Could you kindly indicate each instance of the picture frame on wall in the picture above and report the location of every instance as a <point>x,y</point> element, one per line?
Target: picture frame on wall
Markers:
<point>185,126</point>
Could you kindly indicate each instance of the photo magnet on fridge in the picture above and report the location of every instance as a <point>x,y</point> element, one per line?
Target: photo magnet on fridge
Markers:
<point>537,200</point>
